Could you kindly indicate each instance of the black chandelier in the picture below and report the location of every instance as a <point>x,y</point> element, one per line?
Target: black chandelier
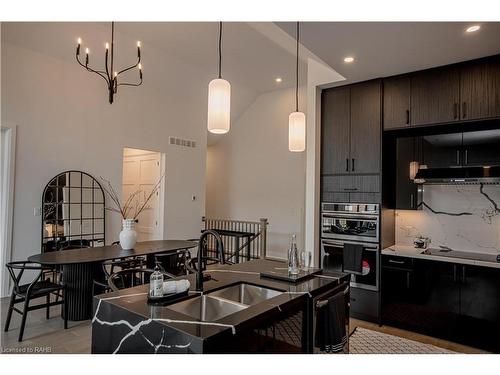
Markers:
<point>110,75</point>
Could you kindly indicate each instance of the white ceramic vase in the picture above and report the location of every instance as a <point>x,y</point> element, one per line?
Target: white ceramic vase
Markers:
<point>128,235</point>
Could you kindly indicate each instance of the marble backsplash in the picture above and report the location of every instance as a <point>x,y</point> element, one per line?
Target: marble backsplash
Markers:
<point>462,217</point>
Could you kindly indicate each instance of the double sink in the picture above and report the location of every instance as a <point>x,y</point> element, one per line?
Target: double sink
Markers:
<point>223,302</point>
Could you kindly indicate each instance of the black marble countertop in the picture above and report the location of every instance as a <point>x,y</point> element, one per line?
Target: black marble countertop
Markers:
<point>134,300</point>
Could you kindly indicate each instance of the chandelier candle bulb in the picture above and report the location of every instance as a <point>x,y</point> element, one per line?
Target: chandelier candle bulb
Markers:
<point>107,46</point>
<point>78,47</point>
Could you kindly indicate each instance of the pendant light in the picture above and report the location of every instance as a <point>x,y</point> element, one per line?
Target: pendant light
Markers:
<point>219,99</point>
<point>297,119</point>
<point>414,164</point>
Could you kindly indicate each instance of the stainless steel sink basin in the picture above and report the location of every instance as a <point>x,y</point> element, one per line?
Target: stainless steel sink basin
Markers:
<point>221,303</point>
<point>246,294</point>
<point>206,308</point>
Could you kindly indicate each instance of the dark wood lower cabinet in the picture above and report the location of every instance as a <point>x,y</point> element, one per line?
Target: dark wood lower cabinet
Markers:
<point>441,299</point>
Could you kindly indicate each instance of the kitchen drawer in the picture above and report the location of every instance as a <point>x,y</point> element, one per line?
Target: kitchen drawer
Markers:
<point>365,198</point>
<point>364,304</point>
<point>352,184</point>
<point>337,197</point>
<point>392,261</point>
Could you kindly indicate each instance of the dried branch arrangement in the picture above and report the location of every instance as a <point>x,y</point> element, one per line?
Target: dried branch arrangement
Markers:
<point>131,207</point>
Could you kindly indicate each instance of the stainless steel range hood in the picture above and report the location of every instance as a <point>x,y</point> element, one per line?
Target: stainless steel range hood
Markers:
<point>459,175</point>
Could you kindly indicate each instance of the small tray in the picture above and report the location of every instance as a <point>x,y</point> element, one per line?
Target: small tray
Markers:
<point>283,275</point>
<point>167,297</point>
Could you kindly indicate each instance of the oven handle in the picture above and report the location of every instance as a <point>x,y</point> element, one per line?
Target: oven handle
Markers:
<point>369,247</point>
<point>350,216</point>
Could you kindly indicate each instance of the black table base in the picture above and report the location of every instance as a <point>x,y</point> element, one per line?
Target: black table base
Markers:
<point>78,279</point>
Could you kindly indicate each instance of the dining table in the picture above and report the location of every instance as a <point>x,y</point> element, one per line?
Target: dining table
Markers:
<point>81,266</point>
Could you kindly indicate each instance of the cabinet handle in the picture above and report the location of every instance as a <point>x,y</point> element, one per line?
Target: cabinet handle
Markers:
<point>464,110</point>
<point>407,117</point>
<point>466,161</point>
<point>397,261</point>
<point>350,189</point>
<point>353,164</point>
<point>347,164</point>
<point>458,157</point>
<point>412,203</point>
<point>455,110</point>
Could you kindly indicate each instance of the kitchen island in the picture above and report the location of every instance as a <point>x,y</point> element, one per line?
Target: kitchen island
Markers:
<point>274,316</point>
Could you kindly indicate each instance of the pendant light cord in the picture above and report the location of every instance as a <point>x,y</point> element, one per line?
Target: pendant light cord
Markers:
<point>112,47</point>
<point>297,73</point>
<point>220,50</point>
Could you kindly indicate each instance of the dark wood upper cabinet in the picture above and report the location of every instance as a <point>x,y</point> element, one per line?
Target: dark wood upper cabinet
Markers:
<point>442,150</point>
<point>435,96</point>
<point>335,128</point>
<point>481,148</point>
<point>480,89</point>
<point>396,102</point>
<point>365,127</point>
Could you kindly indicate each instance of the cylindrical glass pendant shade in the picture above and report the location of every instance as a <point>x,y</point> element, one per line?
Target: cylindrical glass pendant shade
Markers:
<point>219,106</point>
<point>297,132</point>
<point>414,166</point>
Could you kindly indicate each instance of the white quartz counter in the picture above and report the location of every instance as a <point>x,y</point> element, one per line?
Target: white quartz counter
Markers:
<point>411,252</point>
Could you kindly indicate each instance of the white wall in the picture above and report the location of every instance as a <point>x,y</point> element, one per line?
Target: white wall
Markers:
<point>65,122</point>
<point>251,174</point>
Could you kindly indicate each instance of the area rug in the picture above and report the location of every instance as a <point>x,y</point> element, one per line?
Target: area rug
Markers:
<point>366,341</point>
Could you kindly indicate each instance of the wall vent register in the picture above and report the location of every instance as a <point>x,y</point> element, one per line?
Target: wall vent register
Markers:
<point>181,142</point>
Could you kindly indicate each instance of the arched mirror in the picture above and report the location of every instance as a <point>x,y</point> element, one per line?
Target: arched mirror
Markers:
<point>73,212</point>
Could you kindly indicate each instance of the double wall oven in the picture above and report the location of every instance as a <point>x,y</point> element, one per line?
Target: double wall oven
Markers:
<point>352,223</point>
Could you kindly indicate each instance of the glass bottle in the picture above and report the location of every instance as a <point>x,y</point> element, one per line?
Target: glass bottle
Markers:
<point>293,257</point>
<point>156,282</point>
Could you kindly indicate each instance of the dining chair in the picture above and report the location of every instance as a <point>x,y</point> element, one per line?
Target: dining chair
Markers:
<point>131,277</point>
<point>109,268</point>
<point>174,263</point>
<point>37,288</point>
<point>191,262</point>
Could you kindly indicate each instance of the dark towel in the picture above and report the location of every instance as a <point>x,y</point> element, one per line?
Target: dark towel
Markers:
<point>353,258</point>
<point>330,328</point>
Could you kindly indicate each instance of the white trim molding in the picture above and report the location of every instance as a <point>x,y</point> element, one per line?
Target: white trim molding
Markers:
<point>7,174</point>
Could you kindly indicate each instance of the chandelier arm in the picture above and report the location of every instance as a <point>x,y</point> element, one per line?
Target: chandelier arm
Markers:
<point>131,84</point>
<point>99,73</point>
<point>130,67</point>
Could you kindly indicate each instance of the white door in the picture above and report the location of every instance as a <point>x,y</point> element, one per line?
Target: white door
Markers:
<point>141,171</point>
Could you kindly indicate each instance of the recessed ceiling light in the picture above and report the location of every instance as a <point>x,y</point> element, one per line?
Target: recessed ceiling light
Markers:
<point>279,79</point>
<point>473,28</point>
<point>348,59</point>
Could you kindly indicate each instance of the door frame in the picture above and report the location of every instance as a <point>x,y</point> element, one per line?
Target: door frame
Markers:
<point>161,201</point>
<point>7,203</point>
